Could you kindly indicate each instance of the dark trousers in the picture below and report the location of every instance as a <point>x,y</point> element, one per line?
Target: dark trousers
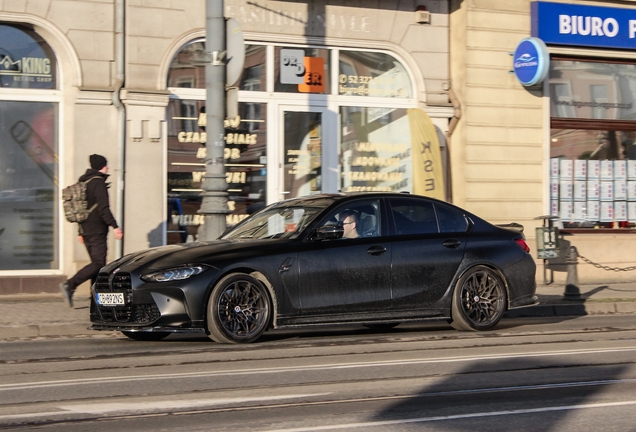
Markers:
<point>96,247</point>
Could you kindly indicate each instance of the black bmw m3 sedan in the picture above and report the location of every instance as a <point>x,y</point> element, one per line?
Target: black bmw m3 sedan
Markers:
<point>375,259</point>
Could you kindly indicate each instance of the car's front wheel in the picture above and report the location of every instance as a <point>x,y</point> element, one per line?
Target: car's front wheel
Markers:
<point>479,300</point>
<point>146,336</point>
<point>238,309</point>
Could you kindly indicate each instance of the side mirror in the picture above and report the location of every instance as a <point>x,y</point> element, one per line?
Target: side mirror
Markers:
<point>329,232</point>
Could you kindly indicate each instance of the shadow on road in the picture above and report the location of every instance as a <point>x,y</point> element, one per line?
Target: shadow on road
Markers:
<point>503,395</point>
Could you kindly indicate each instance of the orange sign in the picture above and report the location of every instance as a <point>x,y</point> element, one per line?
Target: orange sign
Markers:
<point>314,80</point>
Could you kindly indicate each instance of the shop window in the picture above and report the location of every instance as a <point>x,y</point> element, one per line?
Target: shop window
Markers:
<point>592,151</point>
<point>245,165</point>
<point>29,238</point>
<point>26,61</point>
<point>28,185</point>
<point>372,74</point>
<point>301,70</point>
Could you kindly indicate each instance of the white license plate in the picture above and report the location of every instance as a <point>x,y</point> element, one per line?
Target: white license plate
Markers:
<point>110,299</point>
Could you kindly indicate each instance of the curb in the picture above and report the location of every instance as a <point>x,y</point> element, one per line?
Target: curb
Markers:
<point>574,308</point>
<point>570,308</point>
<point>44,330</point>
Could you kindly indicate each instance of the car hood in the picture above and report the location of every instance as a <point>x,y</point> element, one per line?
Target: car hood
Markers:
<point>193,253</point>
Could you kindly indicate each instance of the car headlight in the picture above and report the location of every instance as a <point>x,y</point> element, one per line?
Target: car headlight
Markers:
<point>174,274</point>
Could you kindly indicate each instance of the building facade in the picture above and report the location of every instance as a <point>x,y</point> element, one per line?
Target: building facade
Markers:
<point>561,148</point>
<point>329,99</point>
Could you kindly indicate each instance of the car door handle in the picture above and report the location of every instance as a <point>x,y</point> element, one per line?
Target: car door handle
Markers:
<point>376,250</point>
<point>451,243</point>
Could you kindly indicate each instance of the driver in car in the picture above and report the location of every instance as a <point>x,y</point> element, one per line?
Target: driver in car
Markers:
<point>349,221</point>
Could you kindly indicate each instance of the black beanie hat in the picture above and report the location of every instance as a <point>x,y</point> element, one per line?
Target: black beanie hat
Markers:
<point>97,161</point>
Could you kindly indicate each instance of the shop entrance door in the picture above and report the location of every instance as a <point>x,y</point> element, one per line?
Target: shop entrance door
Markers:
<point>302,134</point>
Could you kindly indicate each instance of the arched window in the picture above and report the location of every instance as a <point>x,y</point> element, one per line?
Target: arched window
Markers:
<point>29,149</point>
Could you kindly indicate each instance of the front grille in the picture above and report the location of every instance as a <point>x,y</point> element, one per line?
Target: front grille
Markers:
<point>128,313</point>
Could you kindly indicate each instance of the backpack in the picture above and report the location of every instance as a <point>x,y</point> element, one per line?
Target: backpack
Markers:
<point>75,203</point>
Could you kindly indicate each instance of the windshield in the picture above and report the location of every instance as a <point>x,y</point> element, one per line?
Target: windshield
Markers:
<point>281,220</point>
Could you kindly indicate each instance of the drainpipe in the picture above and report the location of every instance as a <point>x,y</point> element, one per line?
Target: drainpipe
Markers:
<point>457,114</point>
<point>120,15</point>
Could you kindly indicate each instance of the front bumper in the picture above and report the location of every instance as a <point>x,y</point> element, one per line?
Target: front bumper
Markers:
<point>144,309</point>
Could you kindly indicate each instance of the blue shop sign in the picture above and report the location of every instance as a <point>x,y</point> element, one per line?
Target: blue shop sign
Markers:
<point>531,61</point>
<point>577,25</point>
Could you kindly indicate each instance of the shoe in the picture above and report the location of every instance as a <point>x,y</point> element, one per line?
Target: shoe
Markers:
<point>67,293</point>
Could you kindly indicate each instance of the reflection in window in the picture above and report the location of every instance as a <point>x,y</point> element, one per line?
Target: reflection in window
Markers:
<point>592,90</point>
<point>372,74</point>
<point>254,77</point>
<point>561,96</point>
<point>375,150</point>
<point>303,153</point>
<point>599,98</point>
<point>187,69</point>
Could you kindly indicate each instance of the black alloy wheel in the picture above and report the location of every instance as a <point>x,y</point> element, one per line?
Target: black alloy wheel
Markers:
<point>479,300</point>
<point>146,336</point>
<point>238,310</point>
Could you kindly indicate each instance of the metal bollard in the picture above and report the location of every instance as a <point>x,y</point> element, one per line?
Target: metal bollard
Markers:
<point>572,291</point>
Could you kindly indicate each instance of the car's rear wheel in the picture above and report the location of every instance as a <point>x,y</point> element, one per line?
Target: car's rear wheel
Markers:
<point>146,336</point>
<point>238,309</point>
<point>479,300</point>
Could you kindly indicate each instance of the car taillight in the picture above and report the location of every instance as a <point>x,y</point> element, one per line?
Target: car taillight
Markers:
<point>523,245</point>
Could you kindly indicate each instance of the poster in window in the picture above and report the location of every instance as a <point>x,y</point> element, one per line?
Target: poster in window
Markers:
<point>566,190</point>
<point>620,170</point>
<point>607,170</point>
<point>607,191</point>
<point>554,167</point>
<point>579,190</point>
<point>631,169</point>
<point>631,190</point>
<point>593,190</point>
<point>593,211</point>
<point>554,208</point>
<point>580,169</point>
<point>554,189</point>
<point>620,190</point>
<point>580,213</point>
<point>631,212</point>
<point>593,170</point>
<point>566,167</point>
<point>607,212</point>
<point>620,211</point>
<point>566,210</point>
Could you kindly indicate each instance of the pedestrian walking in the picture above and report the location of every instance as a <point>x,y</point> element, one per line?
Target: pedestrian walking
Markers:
<point>93,232</point>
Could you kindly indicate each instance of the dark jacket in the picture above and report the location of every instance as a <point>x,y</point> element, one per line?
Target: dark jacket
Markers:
<point>97,192</point>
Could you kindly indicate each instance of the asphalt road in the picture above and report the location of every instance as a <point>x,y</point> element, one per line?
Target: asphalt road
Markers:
<point>549,374</point>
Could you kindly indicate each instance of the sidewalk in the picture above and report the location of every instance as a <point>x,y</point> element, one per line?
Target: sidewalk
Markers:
<point>47,315</point>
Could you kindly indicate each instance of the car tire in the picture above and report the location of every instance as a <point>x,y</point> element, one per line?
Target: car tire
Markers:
<point>238,309</point>
<point>146,336</point>
<point>479,300</point>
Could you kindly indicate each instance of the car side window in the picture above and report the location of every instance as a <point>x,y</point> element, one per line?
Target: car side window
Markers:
<point>413,216</point>
<point>360,219</point>
<point>450,219</point>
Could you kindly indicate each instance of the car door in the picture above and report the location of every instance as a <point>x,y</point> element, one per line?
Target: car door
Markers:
<point>347,275</point>
<point>428,247</point>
